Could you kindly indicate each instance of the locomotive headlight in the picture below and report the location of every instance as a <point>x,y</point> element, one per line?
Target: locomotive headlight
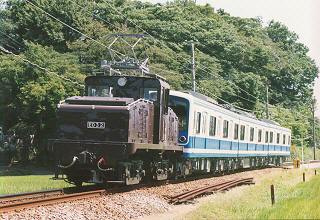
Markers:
<point>182,138</point>
<point>122,81</point>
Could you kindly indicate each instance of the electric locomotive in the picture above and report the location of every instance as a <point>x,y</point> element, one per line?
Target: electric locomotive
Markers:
<point>121,131</point>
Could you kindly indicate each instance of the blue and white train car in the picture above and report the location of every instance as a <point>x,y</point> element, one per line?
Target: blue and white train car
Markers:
<point>218,137</point>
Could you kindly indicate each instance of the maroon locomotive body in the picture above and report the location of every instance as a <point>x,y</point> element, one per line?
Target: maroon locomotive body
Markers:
<point>121,131</point>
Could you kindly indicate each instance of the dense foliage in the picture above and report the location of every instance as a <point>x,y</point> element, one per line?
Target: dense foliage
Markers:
<point>236,57</point>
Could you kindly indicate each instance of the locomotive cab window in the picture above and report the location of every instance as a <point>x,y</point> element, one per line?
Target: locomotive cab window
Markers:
<point>165,100</point>
<point>101,91</point>
<point>150,94</point>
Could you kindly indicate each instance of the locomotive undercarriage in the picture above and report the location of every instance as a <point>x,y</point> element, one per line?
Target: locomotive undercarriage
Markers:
<point>154,165</point>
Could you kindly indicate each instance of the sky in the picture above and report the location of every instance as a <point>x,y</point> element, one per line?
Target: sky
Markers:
<point>300,16</point>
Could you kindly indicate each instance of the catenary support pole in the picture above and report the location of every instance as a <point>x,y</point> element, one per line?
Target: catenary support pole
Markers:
<point>313,128</point>
<point>267,101</point>
<point>193,69</point>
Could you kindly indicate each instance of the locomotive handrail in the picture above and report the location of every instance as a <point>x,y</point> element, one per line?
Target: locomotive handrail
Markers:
<point>101,169</point>
<point>139,100</point>
<point>74,160</point>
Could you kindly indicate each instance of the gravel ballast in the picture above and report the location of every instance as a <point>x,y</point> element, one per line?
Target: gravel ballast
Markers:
<point>126,205</point>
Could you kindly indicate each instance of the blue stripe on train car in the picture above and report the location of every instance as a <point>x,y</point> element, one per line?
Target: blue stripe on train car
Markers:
<point>251,146</point>
<point>259,147</point>
<point>211,143</point>
<point>200,142</point>
<point>234,145</point>
<point>225,145</point>
<point>243,146</point>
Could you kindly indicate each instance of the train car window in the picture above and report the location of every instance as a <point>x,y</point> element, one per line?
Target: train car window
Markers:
<point>259,135</point>
<point>278,138</point>
<point>251,134</point>
<point>271,137</point>
<point>204,122</point>
<point>213,126</point>
<point>289,139</point>
<point>242,132</point>
<point>236,132</point>
<point>101,91</point>
<point>284,139</point>
<point>198,123</point>
<point>225,128</point>
<point>150,94</point>
<point>267,137</point>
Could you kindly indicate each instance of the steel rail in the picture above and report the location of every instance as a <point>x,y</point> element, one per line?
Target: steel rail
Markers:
<point>29,195</point>
<point>186,196</point>
<point>49,200</point>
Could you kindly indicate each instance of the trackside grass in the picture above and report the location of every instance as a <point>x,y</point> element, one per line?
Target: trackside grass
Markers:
<point>19,179</point>
<point>303,204</point>
<point>29,183</point>
<point>294,199</point>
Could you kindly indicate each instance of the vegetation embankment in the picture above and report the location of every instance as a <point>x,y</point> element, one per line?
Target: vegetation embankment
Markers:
<point>302,204</point>
<point>294,199</point>
<point>235,58</point>
<point>307,153</point>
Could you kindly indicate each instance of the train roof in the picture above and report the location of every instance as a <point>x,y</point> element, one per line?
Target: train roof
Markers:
<point>194,95</point>
<point>161,80</point>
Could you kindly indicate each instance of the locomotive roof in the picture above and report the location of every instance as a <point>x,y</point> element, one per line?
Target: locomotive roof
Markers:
<point>152,77</point>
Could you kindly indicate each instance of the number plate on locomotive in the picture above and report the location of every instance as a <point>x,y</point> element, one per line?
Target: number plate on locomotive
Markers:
<point>96,124</point>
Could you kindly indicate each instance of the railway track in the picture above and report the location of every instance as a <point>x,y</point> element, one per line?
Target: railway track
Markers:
<point>29,195</point>
<point>19,204</point>
<point>27,200</point>
<point>189,195</point>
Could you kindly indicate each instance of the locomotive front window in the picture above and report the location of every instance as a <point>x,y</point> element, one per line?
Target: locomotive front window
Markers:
<point>150,94</point>
<point>101,91</point>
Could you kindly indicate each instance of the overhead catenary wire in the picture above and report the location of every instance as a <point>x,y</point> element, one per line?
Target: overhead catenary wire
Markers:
<point>40,67</point>
<point>218,98</point>
<point>156,40</point>
<point>72,28</point>
<point>12,39</point>
<point>76,30</point>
